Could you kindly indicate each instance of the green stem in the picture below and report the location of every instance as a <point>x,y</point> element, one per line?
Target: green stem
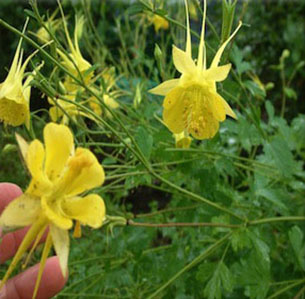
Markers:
<point>283,290</point>
<point>276,219</point>
<point>182,224</point>
<point>196,197</point>
<point>169,210</point>
<point>192,264</point>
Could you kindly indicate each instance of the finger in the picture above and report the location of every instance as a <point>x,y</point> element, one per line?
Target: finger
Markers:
<point>8,192</point>
<point>22,285</point>
<point>11,241</point>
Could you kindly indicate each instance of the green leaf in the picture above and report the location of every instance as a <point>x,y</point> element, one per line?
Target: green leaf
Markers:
<point>161,12</point>
<point>145,141</point>
<point>282,156</point>
<point>237,57</point>
<point>222,279</point>
<point>213,287</point>
<point>135,9</point>
<point>261,248</point>
<point>270,111</point>
<point>240,240</point>
<point>290,93</point>
<point>205,271</point>
<point>226,277</point>
<point>252,274</point>
<point>296,238</point>
<point>277,197</point>
<point>298,127</point>
<point>254,89</point>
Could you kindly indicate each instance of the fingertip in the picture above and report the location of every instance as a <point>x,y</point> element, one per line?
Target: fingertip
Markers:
<point>8,191</point>
<point>23,285</point>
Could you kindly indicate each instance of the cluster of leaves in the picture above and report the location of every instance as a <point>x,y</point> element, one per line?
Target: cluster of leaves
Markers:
<point>247,183</point>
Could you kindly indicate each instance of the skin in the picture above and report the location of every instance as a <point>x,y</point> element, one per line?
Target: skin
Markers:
<point>22,285</point>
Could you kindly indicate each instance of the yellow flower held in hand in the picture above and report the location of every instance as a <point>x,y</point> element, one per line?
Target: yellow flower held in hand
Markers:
<point>191,102</point>
<point>14,94</point>
<point>60,174</point>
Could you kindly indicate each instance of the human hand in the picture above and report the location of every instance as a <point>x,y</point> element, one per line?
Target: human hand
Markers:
<point>22,285</point>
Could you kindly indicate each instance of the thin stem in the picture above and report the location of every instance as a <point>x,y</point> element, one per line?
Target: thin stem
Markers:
<point>283,290</point>
<point>276,219</point>
<point>283,79</point>
<point>196,197</point>
<point>169,210</point>
<point>182,224</point>
<point>192,264</point>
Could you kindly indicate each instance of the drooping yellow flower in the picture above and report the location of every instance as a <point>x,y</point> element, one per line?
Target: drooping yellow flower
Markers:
<point>191,102</point>
<point>108,95</point>
<point>60,175</point>
<point>14,94</point>
<point>42,33</point>
<point>159,23</point>
<point>63,110</point>
<point>76,62</point>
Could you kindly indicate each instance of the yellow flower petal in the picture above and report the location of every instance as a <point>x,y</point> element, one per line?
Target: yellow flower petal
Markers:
<point>23,146</point>
<point>61,243</point>
<point>55,113</point>
<point>110,102</point>
<point>183,62</point>
<point>228,109</point>
<point>52,209</point>
<point>218,74</point>
<point>14,112</point>
<point>164,88</point>
<point>206,128</point>
<point>218,55</point>
<point>59,146</point>
<point>22,211</point>
<point>25,244</point>
<point>35,162</point>
<point>219,111</point>
<point>83,173</point>
<point>160,23</point>
<point>175,105</point>
<point>89,210</point>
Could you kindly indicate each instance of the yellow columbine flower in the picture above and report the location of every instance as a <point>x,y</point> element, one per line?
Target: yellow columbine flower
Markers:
<point>66,109</point>
<point>60,174</point>
<point>108,96</point>
<point>76,61</point>
<point>42,33</point>
<point>109,102</point>
<point>14,94</point>
<point>191,102</point>
<point>159,23</point>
